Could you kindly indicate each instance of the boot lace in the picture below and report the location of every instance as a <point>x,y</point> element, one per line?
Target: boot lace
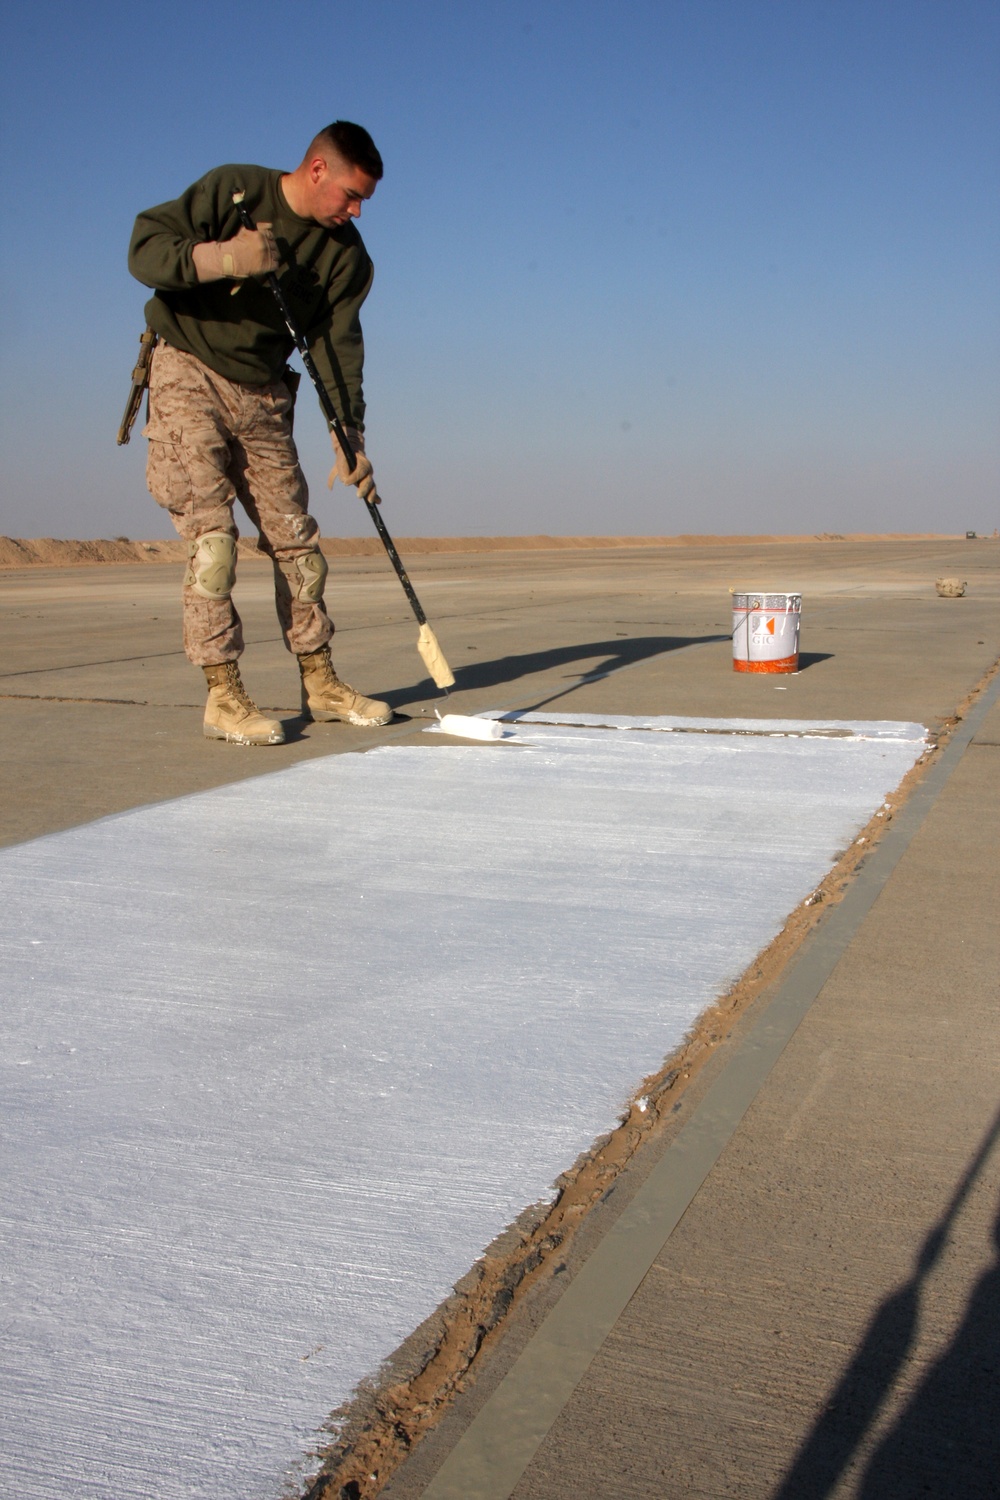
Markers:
<point>234,682</point>
<point>321,664</point>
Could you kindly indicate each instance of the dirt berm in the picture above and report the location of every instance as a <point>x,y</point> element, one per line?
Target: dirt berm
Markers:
<point>54,552</point>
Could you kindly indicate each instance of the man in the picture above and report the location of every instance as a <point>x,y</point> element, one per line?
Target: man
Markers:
<point>220,403</point>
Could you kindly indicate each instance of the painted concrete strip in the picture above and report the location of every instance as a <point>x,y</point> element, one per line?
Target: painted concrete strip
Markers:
<point>244,1161</point>
<point>489,1459</point>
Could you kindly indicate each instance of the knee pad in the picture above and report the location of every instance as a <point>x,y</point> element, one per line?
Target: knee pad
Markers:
<point>212,569</point>
<point>307,575</point>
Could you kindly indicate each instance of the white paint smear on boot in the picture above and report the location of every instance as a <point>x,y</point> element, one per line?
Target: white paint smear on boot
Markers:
<point>281,1059</point>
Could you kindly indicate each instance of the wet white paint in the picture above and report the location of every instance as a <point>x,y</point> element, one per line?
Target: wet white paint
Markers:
<point>467,726</point>
<point>867,729</point>
<point>281,1059</point>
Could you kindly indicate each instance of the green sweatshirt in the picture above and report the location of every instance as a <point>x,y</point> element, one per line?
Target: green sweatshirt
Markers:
<point>235,327</point>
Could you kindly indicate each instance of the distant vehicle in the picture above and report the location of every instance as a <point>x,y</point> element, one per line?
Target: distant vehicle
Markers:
<point>970,536</point>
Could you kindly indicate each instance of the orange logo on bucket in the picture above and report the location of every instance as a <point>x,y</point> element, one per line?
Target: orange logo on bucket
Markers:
<point>760,624</point>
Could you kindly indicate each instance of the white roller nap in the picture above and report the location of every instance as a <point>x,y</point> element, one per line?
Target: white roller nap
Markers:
<point>281,1059</point>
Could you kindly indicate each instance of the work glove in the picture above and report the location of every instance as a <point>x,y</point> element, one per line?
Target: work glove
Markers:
<point>251,252</point>
<point>361,474</point>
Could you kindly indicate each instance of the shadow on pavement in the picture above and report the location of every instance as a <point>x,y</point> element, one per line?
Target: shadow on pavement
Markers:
<point>809,659</point>
<point>617,653</point>
<point>947,1439</point>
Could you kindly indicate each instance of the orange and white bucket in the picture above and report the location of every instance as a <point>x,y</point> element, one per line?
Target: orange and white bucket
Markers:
<point>766,632</point>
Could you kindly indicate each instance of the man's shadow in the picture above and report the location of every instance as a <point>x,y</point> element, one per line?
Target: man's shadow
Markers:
<point>608,657</point>
<point>947,1440</point>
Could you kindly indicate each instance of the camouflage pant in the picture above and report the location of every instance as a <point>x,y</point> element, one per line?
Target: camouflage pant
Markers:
<point>212,441</point>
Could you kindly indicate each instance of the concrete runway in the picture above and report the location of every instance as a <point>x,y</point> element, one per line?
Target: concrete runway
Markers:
<point>101,711</point>
<point>824,1317</point>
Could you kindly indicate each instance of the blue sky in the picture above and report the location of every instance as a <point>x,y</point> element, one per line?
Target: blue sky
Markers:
<point>688,266</point>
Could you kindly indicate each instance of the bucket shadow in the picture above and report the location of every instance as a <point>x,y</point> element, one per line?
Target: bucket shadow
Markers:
<point>809,659</point>
<point>614,655</point>
<point>947,1440</point>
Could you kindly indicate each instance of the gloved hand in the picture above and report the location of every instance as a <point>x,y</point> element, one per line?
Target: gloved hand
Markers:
<point>251,252</point>
<point>361,474</point>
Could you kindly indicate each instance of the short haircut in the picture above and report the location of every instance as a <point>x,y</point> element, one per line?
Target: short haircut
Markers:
<point>354,144</point>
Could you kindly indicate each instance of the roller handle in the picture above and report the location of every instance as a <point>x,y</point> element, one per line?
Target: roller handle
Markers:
<point>330,412</point>
<point>274,286</point>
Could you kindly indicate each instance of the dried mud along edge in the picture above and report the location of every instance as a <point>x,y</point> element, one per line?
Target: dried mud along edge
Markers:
<point>389,1413</point>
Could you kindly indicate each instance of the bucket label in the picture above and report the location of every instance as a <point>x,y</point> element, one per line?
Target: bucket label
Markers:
<point>765,627</point>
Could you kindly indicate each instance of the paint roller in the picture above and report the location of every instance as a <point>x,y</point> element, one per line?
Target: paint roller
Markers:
<point>469,727</point>
<point>427,643</point>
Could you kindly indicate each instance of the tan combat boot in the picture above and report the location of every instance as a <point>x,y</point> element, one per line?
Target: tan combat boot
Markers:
<point>325,697</point>
<point>231,714</point>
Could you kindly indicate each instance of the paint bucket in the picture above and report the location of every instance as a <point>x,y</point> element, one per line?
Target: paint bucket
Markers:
<point>766,631</point>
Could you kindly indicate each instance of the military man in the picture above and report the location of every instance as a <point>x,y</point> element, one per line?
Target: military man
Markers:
<point>220,401</point>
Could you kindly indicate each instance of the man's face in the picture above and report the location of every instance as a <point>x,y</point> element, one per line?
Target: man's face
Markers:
<point>338,190</point>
